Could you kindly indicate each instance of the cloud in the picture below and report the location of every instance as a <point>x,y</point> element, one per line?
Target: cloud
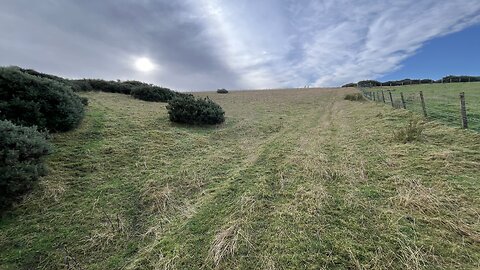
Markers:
<point>209,44</point>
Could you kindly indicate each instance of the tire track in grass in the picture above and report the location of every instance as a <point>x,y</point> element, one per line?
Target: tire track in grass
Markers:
<point>188,245</point>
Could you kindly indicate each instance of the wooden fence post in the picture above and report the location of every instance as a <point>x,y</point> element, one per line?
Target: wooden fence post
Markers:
<point>391,99</point>
<point>403,101</point>
<point>463,110</point>
<point>423,104</point>
<point>383,96</point>
<point>373,96</point>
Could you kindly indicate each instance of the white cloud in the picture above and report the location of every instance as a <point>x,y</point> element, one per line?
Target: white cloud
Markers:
<point>326,43</point>
<point>210,44</point>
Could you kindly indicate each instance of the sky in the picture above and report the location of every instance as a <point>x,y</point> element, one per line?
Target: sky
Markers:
<point>199,45</point>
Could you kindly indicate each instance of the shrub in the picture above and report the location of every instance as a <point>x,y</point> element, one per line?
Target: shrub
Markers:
<point>187,109</point>
<point>222,91</point>
<point>411,132</point>
<point>355,97</point>
<point>81,85</point>
<point>32,100</point>
<point>110,86</point>
<point>21,160</point>
<point>153,93</point>
<point>84,101</point>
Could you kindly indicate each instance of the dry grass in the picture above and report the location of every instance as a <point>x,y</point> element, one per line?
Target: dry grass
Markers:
<point>157,198</point>
<point>224,244</point>
<point>293,180</point>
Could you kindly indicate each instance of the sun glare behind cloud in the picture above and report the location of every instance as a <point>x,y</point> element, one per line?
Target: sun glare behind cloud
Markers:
<point>144,64</point>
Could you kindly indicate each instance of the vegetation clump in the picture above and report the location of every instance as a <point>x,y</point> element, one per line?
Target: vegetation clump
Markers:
<point>355,97</point>
<point>153,93</point>
<point>29,100</point>
<point>21,160</point>
<point>190,110</point>
<point>411,132</point>
<point>222,91</point>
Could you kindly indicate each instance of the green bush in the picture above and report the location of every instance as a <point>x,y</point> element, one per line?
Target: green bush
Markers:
<point>110,86</point>
<point>30,100</point>
<point>187,109</point>
<point>84,101</point>
<point>411,132</point>
<point>222,91</point>
<point>152,93</point>
<point>355,97</point>
<point>21,160</point>
<point>82,85</point>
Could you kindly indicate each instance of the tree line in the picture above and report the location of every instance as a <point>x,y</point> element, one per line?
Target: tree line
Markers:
<point>446,79</point>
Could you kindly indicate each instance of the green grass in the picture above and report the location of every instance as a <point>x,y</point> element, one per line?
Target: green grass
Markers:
<point>292,180</point>
<point>442,101</point>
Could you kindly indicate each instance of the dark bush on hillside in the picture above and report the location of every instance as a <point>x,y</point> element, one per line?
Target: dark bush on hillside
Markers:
<point>222,91</point>
<point>82,85</point>
<point>44,75</point>
<point>110,86</point>
<point>187,109</point>
<point>31,100</point>
<point>355,97</point>
<point>21,160</point>
<point>350,85</point>
<point>84,101</point>
<point>153,93</point>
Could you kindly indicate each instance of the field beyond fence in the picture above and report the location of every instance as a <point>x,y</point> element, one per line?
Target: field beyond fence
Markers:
<point>441,102</point>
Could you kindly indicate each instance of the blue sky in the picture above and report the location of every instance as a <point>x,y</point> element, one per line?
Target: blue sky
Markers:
<point>242,44</point>
<point>454,54</point>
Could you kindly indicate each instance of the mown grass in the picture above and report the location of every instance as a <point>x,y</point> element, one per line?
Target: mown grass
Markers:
<point>442,101</point>
<point>292,180</point>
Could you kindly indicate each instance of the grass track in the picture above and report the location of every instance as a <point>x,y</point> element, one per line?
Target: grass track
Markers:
<point>293,180</point>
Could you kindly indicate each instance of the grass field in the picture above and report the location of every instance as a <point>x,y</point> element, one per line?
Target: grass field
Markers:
<point>442,101</point>
<point>293,180</point>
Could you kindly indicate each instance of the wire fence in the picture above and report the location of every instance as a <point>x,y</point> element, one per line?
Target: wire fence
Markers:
<point>453,108</point>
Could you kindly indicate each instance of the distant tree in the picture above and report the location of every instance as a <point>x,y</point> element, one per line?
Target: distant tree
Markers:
<point>369,83</point>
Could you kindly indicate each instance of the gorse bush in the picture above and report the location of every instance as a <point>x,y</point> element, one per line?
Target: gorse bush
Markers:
<point>411,132</point>
<point>222,91</point>
<point>110,86</point>
<point>32,100</point>
<point>21,160</point>
<point>355,97</point>
<point>190,110</point>
<point>152,93</point>
<point>138,90</point>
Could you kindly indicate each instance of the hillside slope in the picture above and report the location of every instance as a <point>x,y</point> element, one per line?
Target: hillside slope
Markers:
<point>293,180</point>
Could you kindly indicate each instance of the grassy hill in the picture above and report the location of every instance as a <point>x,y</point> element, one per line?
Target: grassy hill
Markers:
<point>442,101</point>
<point>293,180</point>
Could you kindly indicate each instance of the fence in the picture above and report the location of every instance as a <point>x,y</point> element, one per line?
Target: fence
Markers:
<point>453,107</point>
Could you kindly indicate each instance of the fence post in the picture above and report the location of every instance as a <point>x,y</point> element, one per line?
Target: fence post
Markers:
<point>423,104</point>
<point>373,96</point>
<point>463,110</point>
<point>383,96</point>
<point>391,99</point>
<point>403,101</point>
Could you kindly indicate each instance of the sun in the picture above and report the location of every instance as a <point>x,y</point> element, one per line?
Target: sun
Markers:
<point>144,64</point>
